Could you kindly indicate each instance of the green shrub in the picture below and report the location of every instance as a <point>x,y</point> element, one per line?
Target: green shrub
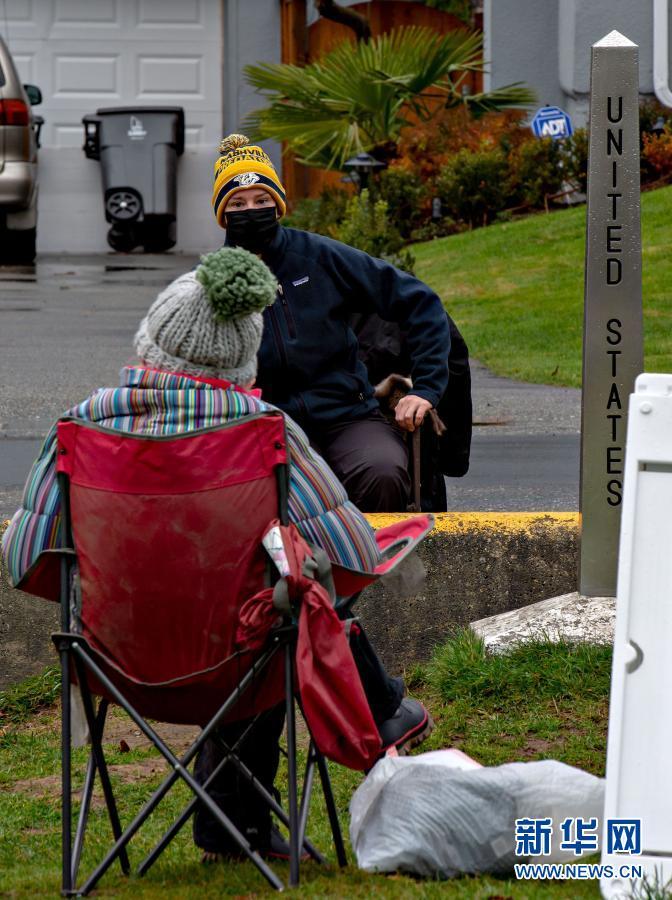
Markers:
<point>575,152</point>
<point>657,156</point>
<point>536,172</point>
<point>649,113</point>
<point>461,9</point>
<point>321,215</point>
<point>432,229</point>
<point>367,227</point>
<point>405,195</point>
<point>472,186</point>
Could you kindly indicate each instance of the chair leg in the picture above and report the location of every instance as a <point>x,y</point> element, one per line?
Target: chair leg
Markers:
<point>87,793</point>
<point>230,758</point>
<point>331,809</point>
<point>66,772</point>
<point>179,823</point>
<point>179,771</point>
<point>96,730</point>
<point>320,761</point>
<point>308,779</point>
<point>291,767</point>
<point>274,805</point>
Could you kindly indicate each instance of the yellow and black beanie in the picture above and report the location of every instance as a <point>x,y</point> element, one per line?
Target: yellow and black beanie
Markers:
<point>240,166</point>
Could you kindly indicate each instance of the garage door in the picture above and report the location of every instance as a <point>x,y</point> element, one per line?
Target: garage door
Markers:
<point>86,54</point>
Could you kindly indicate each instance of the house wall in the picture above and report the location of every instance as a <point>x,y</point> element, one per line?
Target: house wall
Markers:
<point>252,34</point>
<point>547,45</point>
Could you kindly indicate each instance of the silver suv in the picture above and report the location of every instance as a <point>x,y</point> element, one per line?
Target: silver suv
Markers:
<point>19,140</point>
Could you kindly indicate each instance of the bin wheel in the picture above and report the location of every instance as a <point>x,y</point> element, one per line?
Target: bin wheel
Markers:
<point>158,243</point>
<point>123,206</point>
<point>18,247</point>
<point>159,236</point>
<point>122,239</point>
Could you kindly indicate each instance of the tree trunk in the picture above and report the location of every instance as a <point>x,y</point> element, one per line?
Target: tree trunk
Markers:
<point>348,17</point>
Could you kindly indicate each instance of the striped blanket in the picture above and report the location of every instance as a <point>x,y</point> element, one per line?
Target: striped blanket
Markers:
<point>151,402</point>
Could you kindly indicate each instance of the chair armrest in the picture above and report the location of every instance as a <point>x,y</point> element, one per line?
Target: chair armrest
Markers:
<point>396,541</point>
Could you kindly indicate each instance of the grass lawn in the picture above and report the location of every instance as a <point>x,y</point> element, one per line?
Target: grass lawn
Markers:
<point>516,290</point>
<point>539,701</point>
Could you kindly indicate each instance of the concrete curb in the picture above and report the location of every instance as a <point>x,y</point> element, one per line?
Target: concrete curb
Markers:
<point>477,564</point>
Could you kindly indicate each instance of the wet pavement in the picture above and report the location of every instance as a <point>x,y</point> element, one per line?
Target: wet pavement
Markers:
<point>66,326</point>
<point>525,448</point>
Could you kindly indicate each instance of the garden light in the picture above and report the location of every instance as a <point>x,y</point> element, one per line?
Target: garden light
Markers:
<point>360,168</point>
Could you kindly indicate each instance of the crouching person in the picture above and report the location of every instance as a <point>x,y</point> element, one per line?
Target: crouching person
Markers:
<point>197,349</point>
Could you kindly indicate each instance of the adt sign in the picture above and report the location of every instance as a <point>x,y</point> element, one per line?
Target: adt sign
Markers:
<point>553,122</point>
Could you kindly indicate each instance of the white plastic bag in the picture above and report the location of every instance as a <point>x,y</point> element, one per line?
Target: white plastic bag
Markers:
<point>440,814</point>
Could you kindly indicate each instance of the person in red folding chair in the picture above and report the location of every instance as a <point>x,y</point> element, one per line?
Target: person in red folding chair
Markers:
<point>197,349</point>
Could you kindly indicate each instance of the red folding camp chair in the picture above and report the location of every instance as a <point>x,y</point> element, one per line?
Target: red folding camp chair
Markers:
<point>163,554</point>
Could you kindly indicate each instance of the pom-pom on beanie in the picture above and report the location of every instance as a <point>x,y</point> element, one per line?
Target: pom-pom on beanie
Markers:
<point>242,165</point>
<point>209,322</point>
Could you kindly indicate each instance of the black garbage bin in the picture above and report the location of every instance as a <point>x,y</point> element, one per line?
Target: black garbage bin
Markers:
<point>138,148</point>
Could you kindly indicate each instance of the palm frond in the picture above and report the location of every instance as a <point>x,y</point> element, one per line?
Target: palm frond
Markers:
<point>359,95</point>
<point>508,96</point>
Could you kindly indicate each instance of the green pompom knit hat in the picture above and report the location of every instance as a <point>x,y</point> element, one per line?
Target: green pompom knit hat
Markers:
<point>208,322</point>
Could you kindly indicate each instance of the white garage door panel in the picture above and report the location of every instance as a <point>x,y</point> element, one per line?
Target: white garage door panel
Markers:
<point>22,16</point>
<point>75,76</point>
<point>25,63</point>
<point>45,18</point>
<point>158,12</point>
<point>81,13</point>
<point>120,53</point>
<point>159,76</point>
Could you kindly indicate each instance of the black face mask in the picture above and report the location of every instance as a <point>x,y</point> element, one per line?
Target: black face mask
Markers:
<point>252,229</point>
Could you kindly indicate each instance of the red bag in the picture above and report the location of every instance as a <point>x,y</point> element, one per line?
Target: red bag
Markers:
<point>332,696</point>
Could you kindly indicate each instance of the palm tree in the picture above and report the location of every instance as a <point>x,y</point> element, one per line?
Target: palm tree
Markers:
<point>360,97</point>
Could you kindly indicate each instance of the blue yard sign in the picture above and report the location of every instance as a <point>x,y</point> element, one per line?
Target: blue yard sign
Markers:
<point>553,122</point>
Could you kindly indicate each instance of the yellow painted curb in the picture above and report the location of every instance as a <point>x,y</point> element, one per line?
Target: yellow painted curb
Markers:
<point>471,521</point>
<point>486,521</point>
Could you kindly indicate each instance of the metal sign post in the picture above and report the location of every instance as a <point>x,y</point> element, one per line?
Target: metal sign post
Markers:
<point>612,336</point>
<point>637,827</point>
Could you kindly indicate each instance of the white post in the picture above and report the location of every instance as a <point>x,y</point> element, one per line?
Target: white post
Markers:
<point>639,762</point>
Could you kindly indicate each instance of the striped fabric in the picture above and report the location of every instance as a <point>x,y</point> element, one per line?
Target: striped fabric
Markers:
<point>150,402</point>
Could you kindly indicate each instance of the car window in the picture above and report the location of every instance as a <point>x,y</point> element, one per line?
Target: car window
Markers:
<point>2,78</point>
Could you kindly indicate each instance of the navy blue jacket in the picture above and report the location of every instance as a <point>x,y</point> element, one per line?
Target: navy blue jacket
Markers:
<point>308,361</point>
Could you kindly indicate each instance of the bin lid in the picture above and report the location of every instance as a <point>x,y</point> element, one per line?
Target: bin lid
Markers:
<point>127,110</point>
<point>148,110</point>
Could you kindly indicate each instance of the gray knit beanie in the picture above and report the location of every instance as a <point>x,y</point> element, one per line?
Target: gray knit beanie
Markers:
<point>209,322</point>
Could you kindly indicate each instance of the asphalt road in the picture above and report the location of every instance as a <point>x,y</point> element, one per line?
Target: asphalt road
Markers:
<point>66,326</point>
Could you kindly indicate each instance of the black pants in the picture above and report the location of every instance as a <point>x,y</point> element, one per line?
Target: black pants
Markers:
<point>260,753</point>
<point>370,458</point>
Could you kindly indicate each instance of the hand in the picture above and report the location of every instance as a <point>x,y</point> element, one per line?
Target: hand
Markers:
<point>410,411</point>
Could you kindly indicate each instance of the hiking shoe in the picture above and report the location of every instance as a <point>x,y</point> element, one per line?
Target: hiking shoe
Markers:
<point>407,728</point>
<point>278,848</point>
<point>272,847</point>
